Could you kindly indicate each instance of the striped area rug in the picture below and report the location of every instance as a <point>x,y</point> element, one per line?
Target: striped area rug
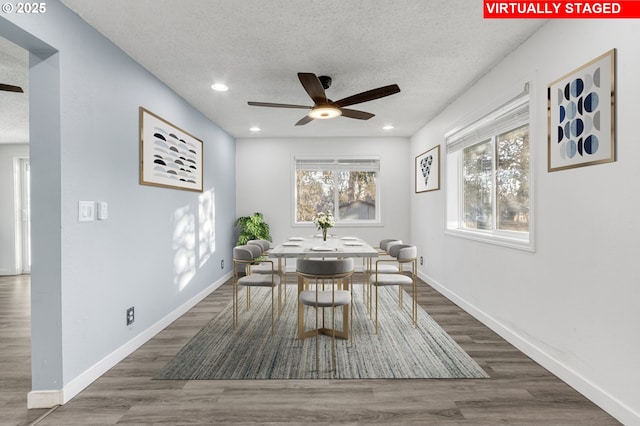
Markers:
<point>398,351</point>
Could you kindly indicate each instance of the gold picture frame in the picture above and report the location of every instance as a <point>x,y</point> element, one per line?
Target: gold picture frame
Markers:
<point>169,156</point>
<point>581,116</point>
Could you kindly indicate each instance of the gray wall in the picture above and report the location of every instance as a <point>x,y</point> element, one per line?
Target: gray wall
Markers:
<point>159,249</point>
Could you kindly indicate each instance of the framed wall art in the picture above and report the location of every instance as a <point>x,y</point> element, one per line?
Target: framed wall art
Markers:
<point>581,116</point>
<point>169,156</point>
<point>427,170</point>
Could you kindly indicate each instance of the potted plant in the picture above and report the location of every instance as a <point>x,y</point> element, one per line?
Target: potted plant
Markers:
<point>252,227</point>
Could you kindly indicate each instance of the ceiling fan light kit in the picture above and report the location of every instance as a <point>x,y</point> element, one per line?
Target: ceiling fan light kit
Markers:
<point>325,112</point>
<point>324,108</point>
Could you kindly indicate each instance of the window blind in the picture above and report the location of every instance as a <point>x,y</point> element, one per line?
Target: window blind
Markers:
<point>354,165</point>
<point>510,115</point>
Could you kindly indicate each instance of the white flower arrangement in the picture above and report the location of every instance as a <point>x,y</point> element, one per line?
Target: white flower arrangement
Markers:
<point>324,221</point>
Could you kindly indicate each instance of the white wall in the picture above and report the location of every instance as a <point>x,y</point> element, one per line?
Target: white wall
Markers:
<point>8,215</point>
<point>572,305</point>
<point>264,180</point>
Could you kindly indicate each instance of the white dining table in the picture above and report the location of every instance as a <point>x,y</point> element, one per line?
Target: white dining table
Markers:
<point>312,246</point>
<point>315,247</point>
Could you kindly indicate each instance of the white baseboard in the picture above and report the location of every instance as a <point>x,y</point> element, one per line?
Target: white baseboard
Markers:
<point>44,399</point>
<point>51,398</point>
<point>598,396</point>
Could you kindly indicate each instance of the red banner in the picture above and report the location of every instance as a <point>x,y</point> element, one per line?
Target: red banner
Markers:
<point>560,9</point>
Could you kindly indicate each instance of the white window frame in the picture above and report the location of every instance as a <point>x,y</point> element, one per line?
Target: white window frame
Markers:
<point>338,162</point>
<point>512,114</point>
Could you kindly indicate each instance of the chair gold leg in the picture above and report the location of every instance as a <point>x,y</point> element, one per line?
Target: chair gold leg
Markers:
<point>272,315</point>
<point>376,309</point>
<point>235,305</point>
<point>333,338</point>
<point>300,320</point>
<point>317,334</point>
<point>415,302</point>
<point>350,336</point>
<point>370,300</point>
<point>248,298</point>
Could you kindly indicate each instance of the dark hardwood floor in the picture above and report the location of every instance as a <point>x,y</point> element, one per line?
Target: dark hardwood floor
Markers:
<point>519,391</point>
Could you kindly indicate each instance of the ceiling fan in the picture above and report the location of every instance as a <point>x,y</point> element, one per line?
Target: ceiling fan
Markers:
<point>323,107</point>
<point>10,88</point>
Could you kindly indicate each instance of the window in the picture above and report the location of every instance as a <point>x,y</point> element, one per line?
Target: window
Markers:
<point>346,187</point>
<point>488,191</point>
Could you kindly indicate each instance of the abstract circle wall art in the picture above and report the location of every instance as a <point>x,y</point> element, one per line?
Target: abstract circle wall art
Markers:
<point>581,116</point>
<point>169,156</point>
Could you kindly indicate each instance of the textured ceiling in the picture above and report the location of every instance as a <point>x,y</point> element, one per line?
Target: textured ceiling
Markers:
<point>433,50</point>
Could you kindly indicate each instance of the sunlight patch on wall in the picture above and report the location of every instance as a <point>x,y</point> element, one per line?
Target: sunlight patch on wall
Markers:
<point>194,238</point>
<point>184,246</point>
<point>207,225</point>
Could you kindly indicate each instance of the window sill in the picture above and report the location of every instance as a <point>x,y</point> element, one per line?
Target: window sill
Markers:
<point>503,240</point>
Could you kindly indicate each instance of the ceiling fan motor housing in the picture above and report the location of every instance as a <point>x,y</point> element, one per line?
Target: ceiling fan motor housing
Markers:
<point>325,81</point>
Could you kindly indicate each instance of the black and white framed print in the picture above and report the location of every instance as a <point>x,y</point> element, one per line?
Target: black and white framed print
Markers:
<point>169,156</point>
<point>427,170</point>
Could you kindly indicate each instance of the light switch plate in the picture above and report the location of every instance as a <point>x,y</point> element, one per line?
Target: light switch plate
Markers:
<point>103,210</point>
<point>86,211</point>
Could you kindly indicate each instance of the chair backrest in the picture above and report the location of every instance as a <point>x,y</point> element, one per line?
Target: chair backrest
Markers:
<point>403,251</point>
<point>255,249</point>
<point>245,253</point>
<point>384,244</point>
<point>327,267</point>
<point>263,244</point>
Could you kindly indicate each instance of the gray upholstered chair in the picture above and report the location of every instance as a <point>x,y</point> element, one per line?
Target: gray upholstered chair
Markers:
<point>265,268</point>
<point>384,247</point>
<point>264,245</point>
<point>329,279</point>
<point>247,256</point>
<point>405,255</point>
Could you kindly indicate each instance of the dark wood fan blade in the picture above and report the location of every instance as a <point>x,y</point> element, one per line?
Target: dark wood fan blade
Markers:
<point>353,113</point>
<point>10,88</point>
<point>314,88</point>
<point>369,95</point>
<point>269,104</point>
<point>304,120</point>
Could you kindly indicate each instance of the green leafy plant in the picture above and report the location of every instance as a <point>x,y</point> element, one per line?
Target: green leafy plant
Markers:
<point>252,227</point>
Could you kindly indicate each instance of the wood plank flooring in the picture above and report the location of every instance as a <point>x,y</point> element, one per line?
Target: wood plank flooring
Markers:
<point>519,391</point>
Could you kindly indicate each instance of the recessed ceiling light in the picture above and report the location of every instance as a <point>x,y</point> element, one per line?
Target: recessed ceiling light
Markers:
<point>254,129</point>
<point>219,87</point>
<point>387,127</point>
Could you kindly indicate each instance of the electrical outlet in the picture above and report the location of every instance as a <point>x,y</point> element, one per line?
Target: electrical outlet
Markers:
<point>130,316</point>
<point>222,264</point>
<point>421,261</point>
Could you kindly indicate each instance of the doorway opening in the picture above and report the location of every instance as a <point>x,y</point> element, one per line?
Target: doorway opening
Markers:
<point>23,219</point>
